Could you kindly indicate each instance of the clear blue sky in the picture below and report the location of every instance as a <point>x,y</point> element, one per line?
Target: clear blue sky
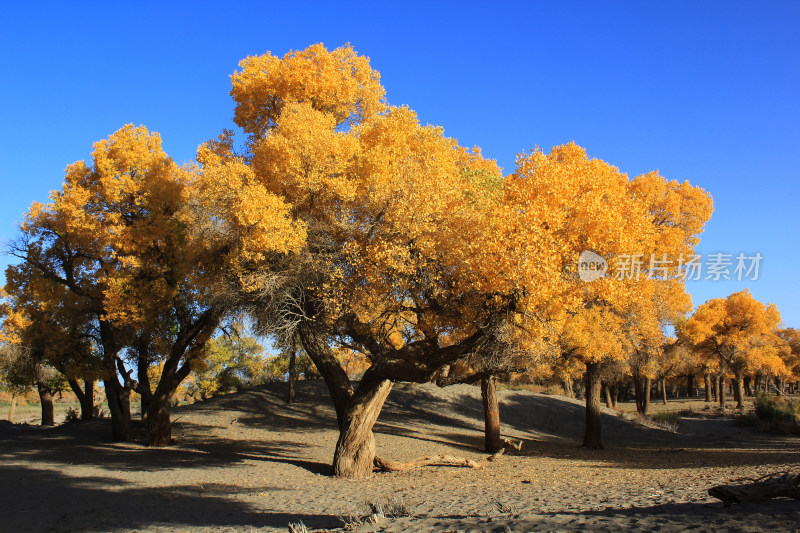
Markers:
<point>704,91</point>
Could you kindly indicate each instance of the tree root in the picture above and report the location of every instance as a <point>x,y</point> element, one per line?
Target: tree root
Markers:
<point>775,485</point>
<point>440,460</point>
<point>507,443</point>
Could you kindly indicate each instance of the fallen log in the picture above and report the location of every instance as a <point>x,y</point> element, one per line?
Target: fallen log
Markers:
<point>382,465</point>
<point>776,485</point>
<point>433,460</point>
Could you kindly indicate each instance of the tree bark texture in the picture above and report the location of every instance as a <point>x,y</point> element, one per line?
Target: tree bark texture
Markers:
<point>592,437</point>
<point>491,414</point>
<point>355,450</point>
<point>46,401</point>
<point>12,407</point>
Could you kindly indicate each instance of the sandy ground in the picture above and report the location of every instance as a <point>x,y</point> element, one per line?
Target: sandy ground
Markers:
<point>249,462</point>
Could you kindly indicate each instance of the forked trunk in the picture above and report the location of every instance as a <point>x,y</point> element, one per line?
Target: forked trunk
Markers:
<point>12,407</point>
<point>85,397</point>
<point>642,389</point>
<point>292,376</point>
<point>117,396</point>
<point>491,414</point>
<point>592,438</point>
<point>119,405</point>
<point>355,449</point>
<point>46,400</point>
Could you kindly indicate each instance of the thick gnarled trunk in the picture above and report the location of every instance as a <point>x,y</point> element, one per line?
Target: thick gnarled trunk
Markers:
<point>159,424</point>
<point>592,437</point>
<point>491,414</point>
<point>119,405</point>
<point>355,450</point>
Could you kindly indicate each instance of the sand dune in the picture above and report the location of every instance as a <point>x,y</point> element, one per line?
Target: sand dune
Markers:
<point>250,462</point>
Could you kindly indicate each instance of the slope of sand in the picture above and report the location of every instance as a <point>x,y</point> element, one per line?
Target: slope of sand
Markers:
<point>250,462</point>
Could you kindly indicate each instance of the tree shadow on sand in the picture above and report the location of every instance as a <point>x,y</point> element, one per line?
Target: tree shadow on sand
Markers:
<point>87,444</point>
<point>106,504</point>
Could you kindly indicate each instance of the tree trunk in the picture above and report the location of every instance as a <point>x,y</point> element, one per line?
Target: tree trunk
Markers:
<point>607,395</point>
<point>12,407</point>
<point>159,424</point>
<point>615,395</point>
<point>292,375</point>
<point>637,394</point>
<point>721,390</point>
<point>592,438</point>
<point>355,449</point>
<point>335,377</point>
<point>642,389</point>
<point>738,392</point>
<point>117,396</point>
<point>748,390</point>
<point>664,391</point>
<point>568,389</point>
<point>119,406</point>
<point>491,414</point>
<point>690,386</point>
<point>46,400</point>
<point>85,396</point>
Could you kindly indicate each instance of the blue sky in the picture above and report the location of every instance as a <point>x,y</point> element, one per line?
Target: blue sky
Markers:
<point>704,91</point>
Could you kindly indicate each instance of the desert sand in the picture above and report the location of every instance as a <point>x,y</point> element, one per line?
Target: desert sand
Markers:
<point>250,462</point>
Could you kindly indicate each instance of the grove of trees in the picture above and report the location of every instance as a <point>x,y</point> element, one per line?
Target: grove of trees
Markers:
<point>359,238</point>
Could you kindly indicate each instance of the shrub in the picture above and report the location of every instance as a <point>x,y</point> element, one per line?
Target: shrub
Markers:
<point>73,415</point>
<point>770,409</point>
<point>666,420</point>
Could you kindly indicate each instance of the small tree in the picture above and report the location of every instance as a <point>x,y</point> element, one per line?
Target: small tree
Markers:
<point>732,332</point>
